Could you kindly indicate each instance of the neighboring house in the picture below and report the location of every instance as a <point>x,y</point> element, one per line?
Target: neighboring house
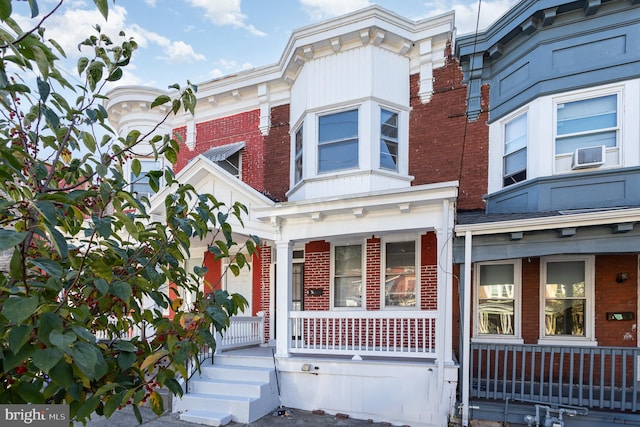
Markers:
<point>352,154</point>
<point>549,271</point>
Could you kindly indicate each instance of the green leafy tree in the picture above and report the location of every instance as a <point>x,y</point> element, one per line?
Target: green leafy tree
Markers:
<point>86,258</point>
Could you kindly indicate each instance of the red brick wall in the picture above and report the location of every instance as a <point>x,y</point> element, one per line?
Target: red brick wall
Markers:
<point>429,271</point>
<point>227,130</point>
<point>612,296</point>
<point>265,287</point>
<point>530,294</point>
<point>441,147</point>
<point>373,261</point>
<point>277,154</point>
<point>317,269</point>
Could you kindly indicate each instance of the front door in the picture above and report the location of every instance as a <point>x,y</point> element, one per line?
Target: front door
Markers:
<point>240,284</point>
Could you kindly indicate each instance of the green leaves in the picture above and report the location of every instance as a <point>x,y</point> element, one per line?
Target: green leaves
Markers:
<point>17,309</point>
<point>10,238</point>
<point>5,9</point>
<point>86,256</point>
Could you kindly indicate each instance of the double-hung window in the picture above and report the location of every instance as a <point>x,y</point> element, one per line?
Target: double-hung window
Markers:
<point>141,182</point>
<point>497,290</point>
<point>347,276</point>
<point>515,151</point>
<point>400,274</point>
<point>389,140</point>
<point>338,141</point>
<point>567,298</point>
<point>298,156</point>
<point>587,124</point>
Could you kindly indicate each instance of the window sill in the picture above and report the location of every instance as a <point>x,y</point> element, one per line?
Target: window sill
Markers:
<point>568,342</point>
<point>497,339</point>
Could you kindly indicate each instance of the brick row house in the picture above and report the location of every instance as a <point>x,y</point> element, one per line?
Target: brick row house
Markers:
<point>448,225</point>
<point>352,154</point>
<point>549,269</point>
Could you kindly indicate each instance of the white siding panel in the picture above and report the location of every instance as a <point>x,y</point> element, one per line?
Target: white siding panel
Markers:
<point>299,96</point>
<point>390,77</point>
<point>339,79</point>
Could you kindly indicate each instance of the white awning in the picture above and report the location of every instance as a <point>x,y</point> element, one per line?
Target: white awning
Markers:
<point>223,152</point>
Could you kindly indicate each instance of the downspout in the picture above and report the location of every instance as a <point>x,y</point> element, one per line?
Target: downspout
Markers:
<point>466,327</point>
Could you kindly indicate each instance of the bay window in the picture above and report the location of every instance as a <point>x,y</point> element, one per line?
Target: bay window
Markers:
<point>338,141</point>
<point>515,151</point>
<point>587,125</point>
<point>298,156</point>
<point>389,140</point>
<point>140,181</point>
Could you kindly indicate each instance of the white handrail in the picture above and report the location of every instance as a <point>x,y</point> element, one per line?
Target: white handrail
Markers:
<point>243,331</point>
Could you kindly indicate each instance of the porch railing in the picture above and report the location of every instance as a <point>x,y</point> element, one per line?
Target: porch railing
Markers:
<point>359,333</point>
<point>593,377</point>
<point>243,331</point>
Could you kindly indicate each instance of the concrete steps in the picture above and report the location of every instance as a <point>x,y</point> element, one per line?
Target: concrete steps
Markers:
<point>235,388</point>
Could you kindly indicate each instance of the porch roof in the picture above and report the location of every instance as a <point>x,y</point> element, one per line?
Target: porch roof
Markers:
<point>207,177</point>
<point>485,224</point>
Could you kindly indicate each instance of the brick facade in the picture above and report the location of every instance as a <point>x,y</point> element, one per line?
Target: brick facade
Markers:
<point>265,288</point>
<point>443,146</point>
<point>317,269</point>
<point>610,296</point>
<point>373,254</point>
<point>277,148</point>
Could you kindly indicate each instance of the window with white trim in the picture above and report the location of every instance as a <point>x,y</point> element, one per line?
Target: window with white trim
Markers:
<point>298,156</point>
<point>497,290</point>
<point>347,276</point>
<point>400,289</point>
<point>587,124</point>
<point>567,294</point>
<point>141,182</point>
<point>338,141</point>
<point>388,140</point>
<point>515,151</point>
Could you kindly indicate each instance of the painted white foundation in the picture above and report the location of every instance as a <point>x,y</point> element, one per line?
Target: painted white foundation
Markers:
<point>397,392</point>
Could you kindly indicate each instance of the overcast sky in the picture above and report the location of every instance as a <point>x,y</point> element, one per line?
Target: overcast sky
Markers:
<point>204,39</point>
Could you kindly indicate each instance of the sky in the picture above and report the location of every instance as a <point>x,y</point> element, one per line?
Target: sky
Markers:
<point>200,40</point>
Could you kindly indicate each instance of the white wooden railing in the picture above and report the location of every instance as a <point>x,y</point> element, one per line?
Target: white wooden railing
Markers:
<point>359,333</point>
<point>243,331</point>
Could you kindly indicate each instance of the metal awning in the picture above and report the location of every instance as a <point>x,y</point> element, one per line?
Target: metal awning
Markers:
<point>223,152</point>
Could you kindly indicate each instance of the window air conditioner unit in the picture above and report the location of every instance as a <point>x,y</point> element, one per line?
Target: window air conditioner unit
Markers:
<point>589,157</point>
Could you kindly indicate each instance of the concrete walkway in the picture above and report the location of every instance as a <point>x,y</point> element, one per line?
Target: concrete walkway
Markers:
<point>293,417</point>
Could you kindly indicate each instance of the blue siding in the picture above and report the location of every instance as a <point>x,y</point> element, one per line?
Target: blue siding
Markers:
<point>573,52</point>
<point>599,189</point>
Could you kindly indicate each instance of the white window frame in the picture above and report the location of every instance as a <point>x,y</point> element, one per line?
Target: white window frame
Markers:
<point>504,124</point>
<point>159,165</point>
<point>383,267</point>
<point>589,315</point>
<point>298,155</point>
<point>516,338</point>
<point>383,138</point>
<point>332,273</point>
<point>583,96</point>
<point>358,165</point>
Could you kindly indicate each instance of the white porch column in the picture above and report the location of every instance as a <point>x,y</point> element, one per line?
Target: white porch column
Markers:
<point>284,257</point>
<point>445,284</point>
<point>466,327</point>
